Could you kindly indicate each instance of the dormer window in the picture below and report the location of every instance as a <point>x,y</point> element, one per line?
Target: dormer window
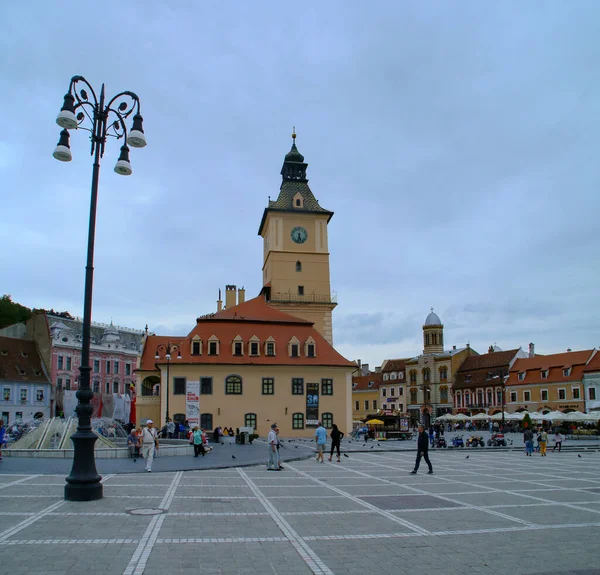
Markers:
<point>385,377</point>
<point>213,345</point>
<point>270,347</point>
<point>254,346</point>
<point>371,383</point>
<point>522,376</point>
<point>354,385</point>
<point>294,347</point>
<point>24,354</point>
<point>467,378</point>
<point>393,375</point>
<point>310,347</point>
<point>566,371</point>
<point>238,345</point>
<point>544,374</point>
<point>196,346</point>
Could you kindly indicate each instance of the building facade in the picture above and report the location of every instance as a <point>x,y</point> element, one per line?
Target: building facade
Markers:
<point>430,375</point>
<point>365,395</point>
<point>548,382</point>
<point>24,381</point>
<point>392,390</point>
<point>591,383</point>
<point>479,382</point>
<point>113,355</point>
<point>252,365</point>
<point>295,268</point>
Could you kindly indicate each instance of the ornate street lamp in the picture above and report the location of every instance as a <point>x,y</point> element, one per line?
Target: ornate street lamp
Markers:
<point>167,350</point>
<point>83,484</point>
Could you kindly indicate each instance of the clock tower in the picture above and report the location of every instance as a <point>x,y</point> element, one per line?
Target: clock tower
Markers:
<point>296,254</point>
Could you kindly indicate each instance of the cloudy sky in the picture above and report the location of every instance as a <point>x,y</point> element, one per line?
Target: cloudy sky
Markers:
<point>456,142</point>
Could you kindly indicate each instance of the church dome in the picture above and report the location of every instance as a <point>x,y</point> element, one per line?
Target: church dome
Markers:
<point>433,319</point>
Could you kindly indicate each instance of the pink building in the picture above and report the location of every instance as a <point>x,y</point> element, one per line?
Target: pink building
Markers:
<point>113,357</point>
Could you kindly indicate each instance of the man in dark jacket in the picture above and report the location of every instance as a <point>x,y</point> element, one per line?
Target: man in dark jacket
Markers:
<point>422,451</point>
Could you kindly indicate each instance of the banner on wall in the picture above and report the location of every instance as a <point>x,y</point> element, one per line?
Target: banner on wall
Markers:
<point>312,404</point>
<point>192,403</point>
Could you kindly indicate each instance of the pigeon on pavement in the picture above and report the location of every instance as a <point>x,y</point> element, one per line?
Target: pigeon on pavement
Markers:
<point>233,457</point>
<point>578,455</point>
<point>345,455</point>
<point>467,457</point>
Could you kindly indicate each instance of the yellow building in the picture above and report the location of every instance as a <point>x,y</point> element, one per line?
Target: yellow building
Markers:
<point>365,395</point>
<point>296,250</point>
<point>265,360</point>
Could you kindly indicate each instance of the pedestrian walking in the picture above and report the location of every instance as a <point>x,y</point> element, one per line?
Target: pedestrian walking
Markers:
<point>198,443</point>
<point>272,464</point>
<point>558,439</point>
<point>321,439</point>
<point>422,451</point>
<point>149,444</point>
<point>528,440</point>
<point>278,445</point>
<point>336,438</point>
<point>170,429</point>
<point>543,441</point>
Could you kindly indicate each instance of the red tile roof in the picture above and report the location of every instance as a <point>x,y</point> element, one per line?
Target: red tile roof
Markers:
<point>593,364</point>
<point>475,370</point>
<point>21,355</point>
<point>252,318</point>
<point>362,382</point>
<point>394,365</point>
<point>554,364</point>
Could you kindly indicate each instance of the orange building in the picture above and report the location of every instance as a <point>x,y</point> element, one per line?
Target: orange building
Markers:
<point>365,395</point>
<point>547,382</point>
<point>252,364</point>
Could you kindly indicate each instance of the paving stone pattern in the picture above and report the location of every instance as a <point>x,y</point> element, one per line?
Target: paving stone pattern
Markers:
<point>495,512</point>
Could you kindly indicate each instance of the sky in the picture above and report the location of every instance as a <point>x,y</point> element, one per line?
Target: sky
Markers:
<point>456,142</point>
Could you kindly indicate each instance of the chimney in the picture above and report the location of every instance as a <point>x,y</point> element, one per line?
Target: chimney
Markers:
<point>531,350</point>
<point>229,296</point>
<point>359,364</point>
<point>219,302</point>
<point>365,368</point>
<point>454,347</point>
<point>468,345</point>
<point>241,295</point>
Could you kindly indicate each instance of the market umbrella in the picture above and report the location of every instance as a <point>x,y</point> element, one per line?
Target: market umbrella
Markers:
<point>516,416</point>
<point>574,416</point>
<point>480,417</point>
<point>498,416</point>
<point>374,422</point>
<point>461,417</point>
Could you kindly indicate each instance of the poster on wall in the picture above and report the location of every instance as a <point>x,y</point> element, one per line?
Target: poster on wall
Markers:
<point>192,403</point>
<point>312,404</point>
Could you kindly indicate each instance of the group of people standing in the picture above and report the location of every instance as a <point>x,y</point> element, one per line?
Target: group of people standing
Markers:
<point>542,441</point>
<point>146,440</point>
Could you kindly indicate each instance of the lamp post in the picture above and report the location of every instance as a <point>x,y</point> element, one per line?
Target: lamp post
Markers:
<point>167,350</point>
<point>83,483</point>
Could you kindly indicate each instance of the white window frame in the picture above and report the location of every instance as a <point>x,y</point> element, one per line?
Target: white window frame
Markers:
<point>392,392</point>
<point>384,392</point>
<point>522,375</point>
<point>374,404</point>
<point>511,397</point>
<point>573,388</point>
<point>544,374</point>
<point>566,372</point>
<point>590,389</point>
<point>542,391</point>
<point>528,391</point>
<point>563,389</point>
<point>366,405</point>
<point>357,405</point>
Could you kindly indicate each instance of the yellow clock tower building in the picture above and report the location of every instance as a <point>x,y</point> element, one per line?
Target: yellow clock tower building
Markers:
<point>296,254</point>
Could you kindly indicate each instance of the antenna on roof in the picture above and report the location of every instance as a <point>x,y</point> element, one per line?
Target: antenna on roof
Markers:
<point>294,134</point>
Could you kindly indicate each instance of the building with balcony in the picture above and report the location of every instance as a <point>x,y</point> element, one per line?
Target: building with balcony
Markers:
<point>24,381</point>
<point>548,382</point>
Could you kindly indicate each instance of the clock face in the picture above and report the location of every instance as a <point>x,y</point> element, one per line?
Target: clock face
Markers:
<point>299,235</point>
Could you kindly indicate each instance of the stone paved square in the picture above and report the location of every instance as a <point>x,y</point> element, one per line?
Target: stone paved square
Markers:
<point>496,513</point>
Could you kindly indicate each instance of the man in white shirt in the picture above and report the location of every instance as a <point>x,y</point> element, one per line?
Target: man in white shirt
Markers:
<point>171,428</point>
<point>273,464</point>
<point>149,443</point>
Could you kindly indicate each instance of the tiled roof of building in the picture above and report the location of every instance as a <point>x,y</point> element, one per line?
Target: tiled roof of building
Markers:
<point>554,364</point>
<point>475,370</point>
<point>253,318</point>
<point>372,381</point>
<point>393,365</point>
<point>593,364</point>
<point>20,361</point>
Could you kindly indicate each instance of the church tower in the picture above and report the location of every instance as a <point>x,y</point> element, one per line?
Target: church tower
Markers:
<point>296,254</point>
<point>433,334</point>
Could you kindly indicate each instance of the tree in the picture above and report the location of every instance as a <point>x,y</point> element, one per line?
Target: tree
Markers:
<point>527,423</point>
<point>11,312</point>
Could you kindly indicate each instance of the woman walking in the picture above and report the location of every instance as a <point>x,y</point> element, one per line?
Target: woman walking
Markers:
<point>336,438</point>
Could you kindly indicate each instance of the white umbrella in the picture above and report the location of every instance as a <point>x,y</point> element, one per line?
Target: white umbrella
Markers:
<point>536,416</point>
<point>555,416</point>
<point>480,417</point>
<point>461,417</point>
<point>498,416</point>
<point>574,416</point>
<point>516,416</point>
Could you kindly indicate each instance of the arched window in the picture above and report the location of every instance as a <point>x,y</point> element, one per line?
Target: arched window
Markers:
<point>467,398</point>
<point>458,399</point>
<point>489,397</point>
<point>480,397</point>
<point>327,420</point>
<point>298,266</point>
<point>443,373</point>
<point>498,397</point>
<point>444,394</point>
<point>427,394</point>
<point>233,385</point>
<point>179,417</point>
<point>297,421</point>
<point>426,374</point>
<point>250,420</point>
<point>413,376</point>
<point>413,395</point>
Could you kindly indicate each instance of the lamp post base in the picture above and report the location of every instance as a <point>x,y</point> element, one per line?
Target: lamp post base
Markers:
<point>83,484</point>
